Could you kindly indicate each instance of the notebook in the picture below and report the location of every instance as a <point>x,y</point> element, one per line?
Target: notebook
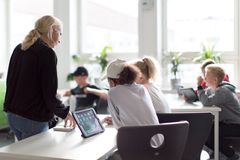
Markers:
<point>189,94</point>
<point>88,122</point>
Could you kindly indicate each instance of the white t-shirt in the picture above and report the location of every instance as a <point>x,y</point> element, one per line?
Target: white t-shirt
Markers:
<point>131,105</point>
<point>159,102</point>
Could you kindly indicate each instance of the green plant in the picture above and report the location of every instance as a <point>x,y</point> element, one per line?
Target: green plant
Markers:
<point>208,53</point>
<point>3,116</point>
<point>176,60</point>
<point>102,59</point>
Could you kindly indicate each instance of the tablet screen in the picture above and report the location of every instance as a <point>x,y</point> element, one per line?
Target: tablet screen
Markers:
<point>189,94</point>
<point>88,122</point>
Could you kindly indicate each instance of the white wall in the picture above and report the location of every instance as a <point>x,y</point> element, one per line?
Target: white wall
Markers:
<point>4,29</point>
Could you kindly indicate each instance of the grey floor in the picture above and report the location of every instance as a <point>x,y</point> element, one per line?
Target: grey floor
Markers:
<point>6,137</point>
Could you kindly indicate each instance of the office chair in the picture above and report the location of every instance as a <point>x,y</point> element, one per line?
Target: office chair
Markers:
<point>234,142</point>
<point>200,125</point>
<point>133,142</point>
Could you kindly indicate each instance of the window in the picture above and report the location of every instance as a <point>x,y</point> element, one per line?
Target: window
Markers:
<point>24,14</point>
<point>193,23</point>
<point>110,22</point>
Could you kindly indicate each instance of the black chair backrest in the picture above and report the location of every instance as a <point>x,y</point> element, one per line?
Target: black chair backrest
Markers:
<point>133,142</point>
<point>200,125</point>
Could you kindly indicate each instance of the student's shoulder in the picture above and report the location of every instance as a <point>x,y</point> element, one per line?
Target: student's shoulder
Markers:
<point>42,48</point>
<point>117,89</point>
<point>225,86</point>
<point>93,86</point>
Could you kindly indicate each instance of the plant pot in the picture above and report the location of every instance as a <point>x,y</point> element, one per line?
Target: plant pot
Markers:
<point>175,83</point>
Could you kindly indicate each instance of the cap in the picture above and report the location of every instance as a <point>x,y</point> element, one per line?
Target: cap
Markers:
<point>115,68</point>
<point>80,71</point>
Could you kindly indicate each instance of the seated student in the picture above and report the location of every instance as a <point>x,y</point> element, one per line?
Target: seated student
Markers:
<point>203,66</point>
<point>86,94</point>
<point>203,83</point>
<point>148,69</point>
<point>129,103</point>
<point>223,95</point>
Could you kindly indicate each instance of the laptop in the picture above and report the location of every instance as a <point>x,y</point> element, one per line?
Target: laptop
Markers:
<point>189,94</point>
<point>88,122</point>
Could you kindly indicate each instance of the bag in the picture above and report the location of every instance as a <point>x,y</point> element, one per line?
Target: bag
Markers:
<point>53,122</point>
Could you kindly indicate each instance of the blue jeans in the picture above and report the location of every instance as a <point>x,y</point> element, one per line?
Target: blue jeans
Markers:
<point>23,127</point>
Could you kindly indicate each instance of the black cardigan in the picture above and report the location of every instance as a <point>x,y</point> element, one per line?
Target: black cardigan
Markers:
<point>32,84</point>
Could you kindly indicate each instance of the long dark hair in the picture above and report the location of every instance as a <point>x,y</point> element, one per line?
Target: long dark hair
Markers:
<point>127,76</point>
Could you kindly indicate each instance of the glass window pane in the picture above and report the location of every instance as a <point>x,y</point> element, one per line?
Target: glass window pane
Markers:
<point>110,22</point>
<point>192,23</point>
<point>190,80</point>
<point>24,14</point>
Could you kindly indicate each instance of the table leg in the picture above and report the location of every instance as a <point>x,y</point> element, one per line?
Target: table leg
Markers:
<point>216,136</point>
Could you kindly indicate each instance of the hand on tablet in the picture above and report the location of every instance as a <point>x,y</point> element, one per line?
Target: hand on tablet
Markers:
<point>71,121</point>
<point>108,120</point>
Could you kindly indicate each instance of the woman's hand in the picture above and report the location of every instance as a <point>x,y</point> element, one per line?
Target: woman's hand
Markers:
<point>71,121</point>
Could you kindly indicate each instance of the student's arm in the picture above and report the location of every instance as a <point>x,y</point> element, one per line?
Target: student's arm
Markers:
<point>67,93</point>
<point>217,99</point>
<point>98,92</point>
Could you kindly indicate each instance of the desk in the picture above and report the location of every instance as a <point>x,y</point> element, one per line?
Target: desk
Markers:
<point>56,145</point>
<point>177,104</point>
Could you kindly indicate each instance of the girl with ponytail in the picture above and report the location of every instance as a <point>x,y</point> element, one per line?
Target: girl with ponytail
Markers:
<point>30,100</point>
<point>148,67</point>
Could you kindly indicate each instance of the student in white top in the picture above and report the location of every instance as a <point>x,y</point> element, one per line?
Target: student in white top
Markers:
<point>149,69</point>
<point>129,103</point>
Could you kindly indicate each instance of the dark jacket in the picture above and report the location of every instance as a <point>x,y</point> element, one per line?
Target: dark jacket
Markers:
<point>32,84</point>
<point>225,98</point>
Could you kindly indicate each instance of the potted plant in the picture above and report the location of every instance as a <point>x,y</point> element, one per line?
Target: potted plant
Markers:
<point>208,53</point>
<point>176,59</point>
<point>102,59</point>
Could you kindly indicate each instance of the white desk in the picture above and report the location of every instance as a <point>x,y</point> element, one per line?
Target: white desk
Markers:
<point>177,104</point>
<point>56,145</point>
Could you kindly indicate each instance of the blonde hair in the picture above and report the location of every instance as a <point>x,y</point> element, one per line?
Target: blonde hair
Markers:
<point>148,67</point>
<point>216,71</point>
<point>206,63</point>
<point>43,26</point>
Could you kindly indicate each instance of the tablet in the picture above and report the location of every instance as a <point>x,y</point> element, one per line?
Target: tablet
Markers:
<point>62,128</point>
<point>189,94</point>
<point>88,122</point>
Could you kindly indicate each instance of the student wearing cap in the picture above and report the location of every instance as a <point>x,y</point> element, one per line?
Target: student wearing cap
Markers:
<point>129,103</point>
<point>86,94</point>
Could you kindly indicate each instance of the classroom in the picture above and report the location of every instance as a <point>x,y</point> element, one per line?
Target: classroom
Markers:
<point>133,68</point>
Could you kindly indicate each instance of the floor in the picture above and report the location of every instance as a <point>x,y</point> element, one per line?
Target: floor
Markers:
<point>6,137</point>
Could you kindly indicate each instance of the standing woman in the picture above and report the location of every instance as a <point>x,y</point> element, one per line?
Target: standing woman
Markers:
<point>32,82</point>
<point>148,68</point>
